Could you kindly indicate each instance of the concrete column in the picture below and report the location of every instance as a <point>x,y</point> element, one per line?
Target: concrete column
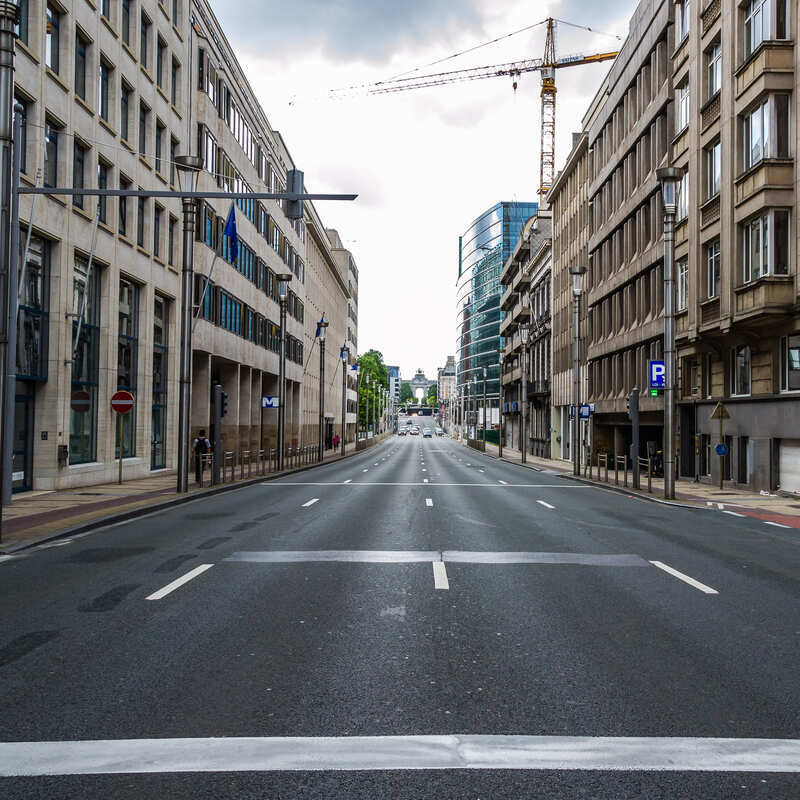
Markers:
<point>229,378</point>
<point>201,394</point>
<point>245,412</point>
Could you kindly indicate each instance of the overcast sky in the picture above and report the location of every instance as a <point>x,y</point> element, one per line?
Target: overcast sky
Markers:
<point>425,163</point>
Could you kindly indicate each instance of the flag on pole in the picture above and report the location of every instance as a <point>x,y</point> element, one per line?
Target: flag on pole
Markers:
<point>319,326</point>
<point>230,231</point>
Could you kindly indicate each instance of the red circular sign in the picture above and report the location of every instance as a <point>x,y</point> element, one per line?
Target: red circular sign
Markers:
<point>122,402</point>
<point>81,401</point>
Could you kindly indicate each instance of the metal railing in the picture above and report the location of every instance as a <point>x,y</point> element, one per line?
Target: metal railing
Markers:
<point>647,463</point>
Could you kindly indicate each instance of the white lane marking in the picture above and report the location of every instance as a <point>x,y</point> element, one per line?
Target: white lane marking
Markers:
<point>5,558</point>
<point>428,752</point>
<point>310,502</point>
<point>425,480</point>
<point>776,524</point>
<point>348,480</point>
<point>546,505</point>
<point>424,470</point>
<point>720,506</point>
<point>416,483</point>
<point>176,584</point>
<point>685,578</point>
<point>59,543</point>
<point>733,513</point>
<point>440,575</point>
<point>365,470</point>
<point>505,483</point>
<point>428,501</point>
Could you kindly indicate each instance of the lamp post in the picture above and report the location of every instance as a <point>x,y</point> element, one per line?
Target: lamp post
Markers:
<point>485,373</point>
<point>523,432</point>
<point>323,327</point>
<point>188,170</point>
<point>500,432</point>
<point>670,187</point>
<point>577,287</point>
<point>372,383</point>
<point>343,353</point>
<point>283,292</point>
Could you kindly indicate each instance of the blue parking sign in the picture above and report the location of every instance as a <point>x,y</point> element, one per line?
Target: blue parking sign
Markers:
<point>658,374</point>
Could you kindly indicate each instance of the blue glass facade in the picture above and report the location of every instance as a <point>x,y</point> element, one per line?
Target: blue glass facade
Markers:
<point>483,250</point>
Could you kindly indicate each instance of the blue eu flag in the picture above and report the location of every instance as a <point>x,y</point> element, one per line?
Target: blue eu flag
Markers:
<point>230,230</point>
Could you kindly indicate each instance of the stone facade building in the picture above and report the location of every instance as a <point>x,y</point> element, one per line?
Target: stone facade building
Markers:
<point>110,95</point>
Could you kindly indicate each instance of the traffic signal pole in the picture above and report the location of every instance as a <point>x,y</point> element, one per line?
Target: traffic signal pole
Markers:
<point>633,415</point>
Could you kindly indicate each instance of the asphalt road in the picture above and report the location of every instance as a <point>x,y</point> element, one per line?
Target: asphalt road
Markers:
<point>507,629</point>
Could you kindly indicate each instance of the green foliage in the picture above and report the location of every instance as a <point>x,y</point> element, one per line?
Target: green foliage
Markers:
<point>432,396</point>
<point>405,392</point>
<point>370,366</point>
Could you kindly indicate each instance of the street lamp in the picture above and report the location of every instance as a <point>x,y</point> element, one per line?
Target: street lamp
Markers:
<point>523,433</point>
<point>343,353</point>
<point>500,432</point>
<point>670,178</point>
<point>485,373</point>
<point>577,287</point>
<point>188,171</point>
<point>283,292</point>
<point>323,327</point>
<point>374,399</point>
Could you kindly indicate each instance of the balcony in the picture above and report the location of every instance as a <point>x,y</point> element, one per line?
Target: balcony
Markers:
<point>770,295</point>
<point>709,15</point>
<point>709,312</point>
<point>709,211</point>
<point>512,376</point>
<point>769,56</point>
<point>769,173</point>
<point>709,113</point>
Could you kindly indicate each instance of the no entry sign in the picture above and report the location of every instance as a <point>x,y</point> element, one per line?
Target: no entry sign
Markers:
<point>122,402</point>
<point>80,401</point>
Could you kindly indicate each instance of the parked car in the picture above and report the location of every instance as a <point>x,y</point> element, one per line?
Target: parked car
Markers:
<point>401,432</point>
<point>427,433</point>
<point>439,431</point>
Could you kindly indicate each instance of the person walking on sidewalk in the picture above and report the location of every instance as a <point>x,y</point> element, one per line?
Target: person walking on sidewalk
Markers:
<point>201,447</point>
<point>335,441</point>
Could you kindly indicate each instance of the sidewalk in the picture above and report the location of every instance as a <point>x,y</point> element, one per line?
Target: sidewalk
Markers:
<point>780,509</point>
<point>35,516</point>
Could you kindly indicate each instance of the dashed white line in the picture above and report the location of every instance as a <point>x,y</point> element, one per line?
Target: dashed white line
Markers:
<point>505,483</point>
<point>685,578</point>
<point>440,575</point>
<point>310,502</point>
<point>733,513</point>
<point>428,501</point>
<point>176,584</point>
<point>365,470</point>
<point>546,505</point>
<point>425,480</point>
<point>776,524</point>
<point>424,470</point>
<point>349,480</point>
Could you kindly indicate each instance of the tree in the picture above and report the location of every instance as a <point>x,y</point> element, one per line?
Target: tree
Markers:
<point>432,395</point>
<point>406,394</point>
<point>370,366</point>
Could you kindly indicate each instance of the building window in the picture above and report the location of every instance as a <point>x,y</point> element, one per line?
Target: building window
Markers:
<point>173,224</point>
<point>32,325</point>
<point>683,14</point>
<point>766,130</point>
<point>712,268</point>
<point>158,448</point>
<point>144,119</point>
<point>173,150</point>
<point>103,88</point>
<point>707,382</point>
<point>160,131</point>
<point>766,245</point>
<point>683,197</point>
<point>713,156</point>
<point>790,363</point>
<point>682,111</point>
<point>158,216</point>
<point>78,175</point>
<point>23,130</point>
<point>714,69</point>
<point>176,12</point>
<point>175,82</point>
<point>764,20</point>
<point>102,183</point>
<point>85,364</point>
<point>140,212</point>
<point>81,49</point>
<point>740,370</point>
<point>124,119</point>
<point>126,21</point>
<point>161,55</point>
<point>123,208</point>
<point>144,49</point>
<point>105,8</point>
<point>22,28</point>
<point>682,268</point>
<point>52,42</point>
<point>127,352</point>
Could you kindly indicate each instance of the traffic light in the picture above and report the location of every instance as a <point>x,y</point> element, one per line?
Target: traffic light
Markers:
<point>223,406</point>
<point>294,184</point>
<point>632,403</point>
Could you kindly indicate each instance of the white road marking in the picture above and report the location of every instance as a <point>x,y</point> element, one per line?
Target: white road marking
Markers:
<point>776,524</point>
<point>365,470</point>
<point>310,502</point>
<point>685,578</point>
<point>733,513</point>
<point>546,505</point>
<point>505,483</point>
<point>428,501</point>
<point>440,575</point>
<point>5,558</point>
<point>348,480</point>
<point>428,752</point>
<point>59,543</point>
<point>720,506</point>
<point>424,470</point>
<point>176,584</point>
<point>424,480</point>
<point>568,486</point>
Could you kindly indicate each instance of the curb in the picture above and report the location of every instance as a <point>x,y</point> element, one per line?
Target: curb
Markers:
<point>133,513</point>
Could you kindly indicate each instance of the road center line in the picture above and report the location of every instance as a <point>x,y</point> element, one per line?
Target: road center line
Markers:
<point>776,524</point>
<point>348,480</point>
<point>505,483</point>
<point>428,501</point>
<point>176,584</point>
<point>310,502</point>
<point>733,513</point>
<point>440,575</point>
<point>546,505</point>
<point>685,578</point>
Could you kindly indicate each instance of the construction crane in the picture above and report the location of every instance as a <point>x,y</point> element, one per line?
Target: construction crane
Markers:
<point>547,66</point>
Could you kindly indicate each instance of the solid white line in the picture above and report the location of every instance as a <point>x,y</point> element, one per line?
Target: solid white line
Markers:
<point>348,480</point>
<point>416,483</point>
<point>310,502</point>
<point>440,752</point>
<point>546,505</point>
<point>776,524</point>
<point>440,575</point>
<point>733,513</point>
<point>176,584</point>
<point>505,483</point>
<point>685,578</point>
<point>428,501</point>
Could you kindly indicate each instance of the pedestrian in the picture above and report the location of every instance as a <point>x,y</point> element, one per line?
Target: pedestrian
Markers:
<point>335,440</point>
<point>201,447</point>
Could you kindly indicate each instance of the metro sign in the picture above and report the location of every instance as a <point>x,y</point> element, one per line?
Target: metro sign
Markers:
<point>122,402</point>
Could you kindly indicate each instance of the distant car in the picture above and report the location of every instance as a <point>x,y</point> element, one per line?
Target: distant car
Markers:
<point>409,422</point>
<point>439,431</point>
<point>402,432</point>
<point>414,431</point>
<point>427,433</point>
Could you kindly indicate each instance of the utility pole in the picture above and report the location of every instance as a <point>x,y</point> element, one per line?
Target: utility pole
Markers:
<point>343,353</point>
<point>633,415</point>
<point>523,333</point>
<point>577,287</point>
<point>485,371</point>
<point>323,326</point>
<point>500,409</point>
<point>283,292</point>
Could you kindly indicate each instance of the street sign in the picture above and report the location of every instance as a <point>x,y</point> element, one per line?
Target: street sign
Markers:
<point>720,412</point>
<point>122,402</point>
<point>270,402</point>
<point>658,374</point>
<point>585,411</point>
<point>721,449</point>
<point>81,401</point>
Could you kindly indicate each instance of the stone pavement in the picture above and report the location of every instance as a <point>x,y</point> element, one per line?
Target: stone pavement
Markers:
<point>780,509</point>
<point>39,515</point>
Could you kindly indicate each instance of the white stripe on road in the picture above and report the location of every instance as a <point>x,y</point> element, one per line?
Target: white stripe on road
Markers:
<point>424,480</point>
<point>5,558</point>
<point>348,480</point>
<point>310,502</point>
<point>416,483</point>
<point>546,505</point>
<point>176,584</point>
<point>424,470</point>
<point>685,578</point>
<point>776,524</point>
<point>505,483</point>
<point>365,470</point>
<point>428,501</point>
<point>733,513</point>
<point>441,752</point>
<point>440,575</point>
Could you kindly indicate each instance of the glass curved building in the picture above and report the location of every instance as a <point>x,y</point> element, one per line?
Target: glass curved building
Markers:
<point>483,250</point>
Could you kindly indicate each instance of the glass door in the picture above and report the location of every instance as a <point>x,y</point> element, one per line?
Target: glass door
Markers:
<point>23,444</point>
